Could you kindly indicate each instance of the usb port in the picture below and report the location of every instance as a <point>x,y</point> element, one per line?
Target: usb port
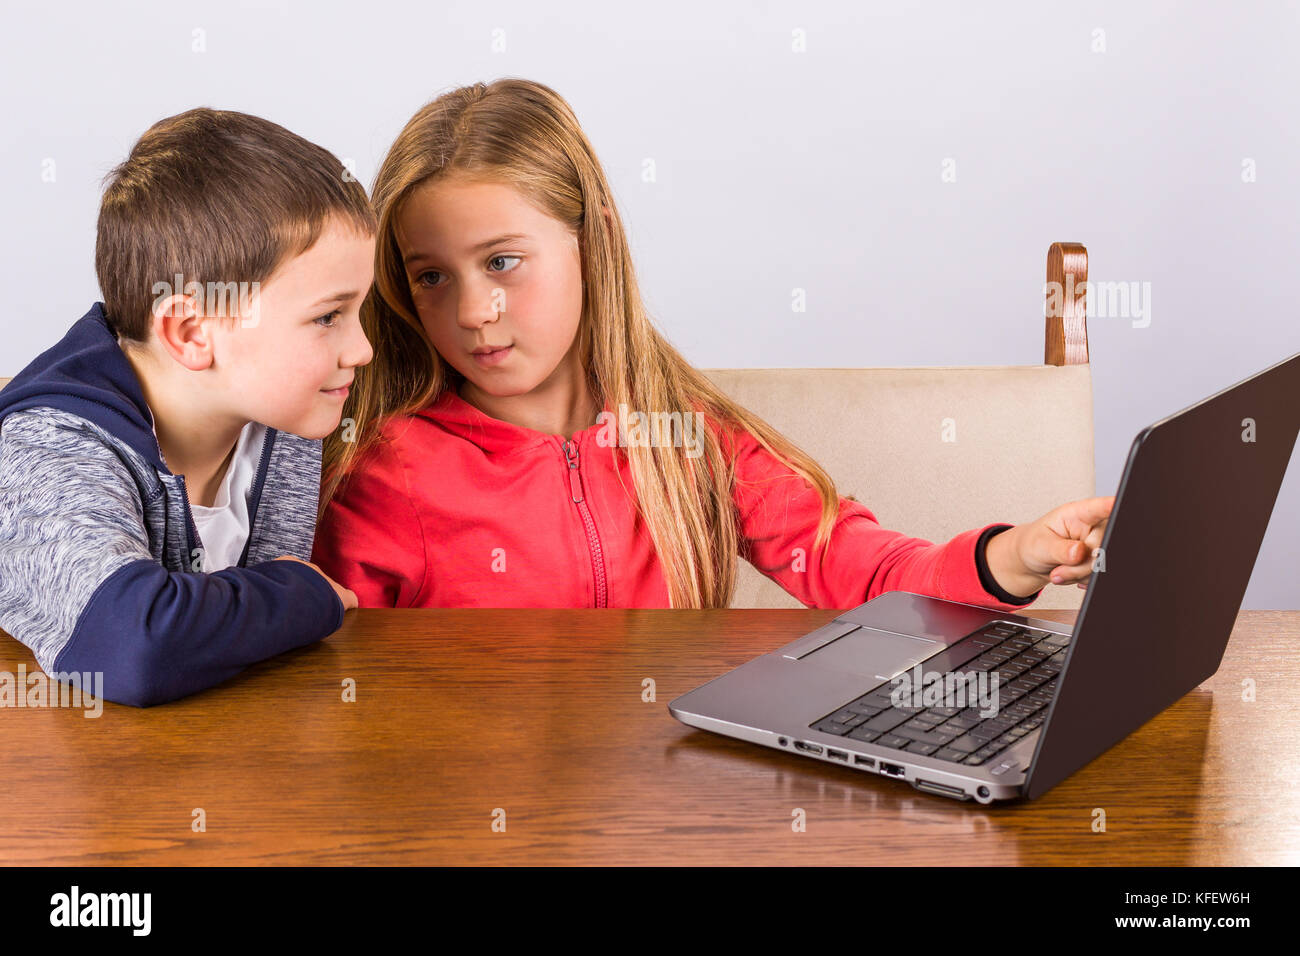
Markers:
<point>807,747</point>
<point>864,761</point>
<point>837,755</point>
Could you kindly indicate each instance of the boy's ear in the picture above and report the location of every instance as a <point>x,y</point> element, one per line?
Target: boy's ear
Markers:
<point>181,332</point>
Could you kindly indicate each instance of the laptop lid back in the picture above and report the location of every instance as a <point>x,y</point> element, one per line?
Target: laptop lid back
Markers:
<point>1178,550</point>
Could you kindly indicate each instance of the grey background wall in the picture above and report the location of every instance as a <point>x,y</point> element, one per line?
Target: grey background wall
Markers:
<point>904,164</point>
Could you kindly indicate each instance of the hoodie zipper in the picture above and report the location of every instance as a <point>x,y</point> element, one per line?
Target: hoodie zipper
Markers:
<point>593,540</point>
<point>259,479</point>
<point>259,482</point>
<point>191,530</point>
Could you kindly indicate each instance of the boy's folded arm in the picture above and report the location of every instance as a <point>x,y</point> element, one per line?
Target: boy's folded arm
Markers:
<point>80,587</point>
<point>158,635</point>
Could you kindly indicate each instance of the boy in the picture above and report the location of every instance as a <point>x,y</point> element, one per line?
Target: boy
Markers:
<point>160,465</point>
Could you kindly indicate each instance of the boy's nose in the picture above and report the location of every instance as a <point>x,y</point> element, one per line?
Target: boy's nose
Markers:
<point>360,351</point>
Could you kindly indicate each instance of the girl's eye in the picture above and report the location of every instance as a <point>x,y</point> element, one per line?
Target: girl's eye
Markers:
<point>422,279</point>
<point>327,321</point>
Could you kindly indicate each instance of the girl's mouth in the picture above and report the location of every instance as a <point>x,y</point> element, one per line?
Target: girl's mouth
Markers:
<point>488,359</point>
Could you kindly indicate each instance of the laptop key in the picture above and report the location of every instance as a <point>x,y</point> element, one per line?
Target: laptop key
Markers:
<point>881,697</point>
<point>919,722</point>
<point>892,740</point>
<point>888,719</point>
<point>936,737</point>
<point>942,735</point>
<point>947,753</point>
<point>910,732</point>
<point>927,720</point>
<point>918,747</point>
<point>865,709</point>
<point>829,726</point>
<point>865,734</point>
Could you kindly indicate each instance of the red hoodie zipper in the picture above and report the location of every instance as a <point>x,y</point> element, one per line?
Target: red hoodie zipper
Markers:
<point>593,540</point>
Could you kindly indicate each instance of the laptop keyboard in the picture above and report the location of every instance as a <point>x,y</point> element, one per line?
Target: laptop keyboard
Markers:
<point>1027,661</point>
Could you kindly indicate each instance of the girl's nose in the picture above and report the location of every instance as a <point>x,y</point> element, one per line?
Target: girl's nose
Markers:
<point>478,306</point>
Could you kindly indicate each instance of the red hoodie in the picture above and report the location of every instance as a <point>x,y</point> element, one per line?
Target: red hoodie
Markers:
<point>454,508</point>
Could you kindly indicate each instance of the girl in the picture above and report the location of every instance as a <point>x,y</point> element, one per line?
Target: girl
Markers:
<point>492,455</point>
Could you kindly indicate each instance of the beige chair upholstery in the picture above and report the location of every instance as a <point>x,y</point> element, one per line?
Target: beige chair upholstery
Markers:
<point>934,451</point>
<point>931,452</point>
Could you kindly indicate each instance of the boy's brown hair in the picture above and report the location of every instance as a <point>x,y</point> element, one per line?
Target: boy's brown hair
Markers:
<point>214,196</point>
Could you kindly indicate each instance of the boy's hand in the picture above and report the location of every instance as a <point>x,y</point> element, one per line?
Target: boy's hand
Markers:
<point>1058,547</point>
<point>348,598</point>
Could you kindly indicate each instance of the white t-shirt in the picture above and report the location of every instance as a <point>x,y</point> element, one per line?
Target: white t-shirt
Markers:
<point>223,528</point>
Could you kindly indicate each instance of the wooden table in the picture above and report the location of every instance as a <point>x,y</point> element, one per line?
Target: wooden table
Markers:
<point>539,713</point>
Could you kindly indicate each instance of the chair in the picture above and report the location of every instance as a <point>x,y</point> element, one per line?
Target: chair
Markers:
<point>934,451</point>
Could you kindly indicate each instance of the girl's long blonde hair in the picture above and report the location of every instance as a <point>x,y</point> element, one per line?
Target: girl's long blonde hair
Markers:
<point>525,135</point>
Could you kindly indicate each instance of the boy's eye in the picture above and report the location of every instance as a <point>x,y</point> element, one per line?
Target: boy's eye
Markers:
<point>327,321</point>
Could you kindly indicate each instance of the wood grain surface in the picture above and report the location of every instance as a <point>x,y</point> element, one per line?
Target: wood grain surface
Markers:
<point>539,713</point>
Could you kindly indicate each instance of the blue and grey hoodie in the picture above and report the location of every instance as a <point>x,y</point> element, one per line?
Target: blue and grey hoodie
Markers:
<point>98,547</point>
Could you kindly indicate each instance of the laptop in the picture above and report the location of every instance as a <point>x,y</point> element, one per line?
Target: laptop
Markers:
<point>973,703</point>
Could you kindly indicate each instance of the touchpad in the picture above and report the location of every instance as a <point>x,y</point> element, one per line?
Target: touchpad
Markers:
<point>871,653</point>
